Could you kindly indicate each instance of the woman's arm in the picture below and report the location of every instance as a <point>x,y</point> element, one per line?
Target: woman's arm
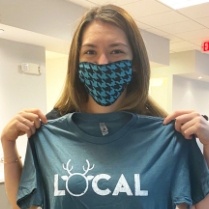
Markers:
<point>25,122</point>
<point>204,204</point>
<point>12,170</point>
<point>182,206</point>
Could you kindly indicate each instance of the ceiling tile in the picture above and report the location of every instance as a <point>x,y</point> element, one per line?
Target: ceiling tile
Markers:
<point>159,32</point>
<point>142,25</point>
<point>196,37</point>
<point>163,19</point>
<point>182,45</point>
<point>204,21</point>
<point>83,3</point>
<point>181,27</point>
<point>201,10</point>
<point>145,8</point>
<point>90,3</point>
<point>116,2</point>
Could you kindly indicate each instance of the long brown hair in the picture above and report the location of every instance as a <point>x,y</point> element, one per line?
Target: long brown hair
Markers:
<point>74,95</point>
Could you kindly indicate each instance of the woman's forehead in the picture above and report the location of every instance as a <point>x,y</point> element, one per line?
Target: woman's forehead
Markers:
<point>102,31</point>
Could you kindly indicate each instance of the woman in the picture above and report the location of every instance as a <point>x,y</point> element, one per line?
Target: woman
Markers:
<point>106,38</point>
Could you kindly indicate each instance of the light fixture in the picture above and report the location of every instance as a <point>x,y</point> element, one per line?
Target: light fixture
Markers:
<point>179,4</point>
<point>1,30</point>
<point>30,68</point>
<point>199,77</point>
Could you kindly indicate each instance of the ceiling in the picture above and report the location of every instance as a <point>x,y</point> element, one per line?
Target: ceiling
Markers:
<point>186,28</point>
<point>40,22</point>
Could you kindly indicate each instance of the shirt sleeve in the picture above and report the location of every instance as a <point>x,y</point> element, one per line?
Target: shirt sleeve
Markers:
<point>199,173</point>
<point>191,179</point>
<point>181,188</point>
<point>30,189</point>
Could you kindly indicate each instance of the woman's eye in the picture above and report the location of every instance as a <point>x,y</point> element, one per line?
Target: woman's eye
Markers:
<point>117,51</point>
<point>89,52</point>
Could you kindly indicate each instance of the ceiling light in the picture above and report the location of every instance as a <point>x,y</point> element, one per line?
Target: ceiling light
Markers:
<point>199,77</point>
<point>179,4</point>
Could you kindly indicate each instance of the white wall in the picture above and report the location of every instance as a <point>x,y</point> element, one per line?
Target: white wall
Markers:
<point>160,90</point>
<point>17,90</point>
<point>56,69</point>
<point>157,48</point>
<point>190,94</point>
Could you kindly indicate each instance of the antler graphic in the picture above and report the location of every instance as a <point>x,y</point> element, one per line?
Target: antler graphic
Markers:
<point>88,167</point>
<point>67,167</point>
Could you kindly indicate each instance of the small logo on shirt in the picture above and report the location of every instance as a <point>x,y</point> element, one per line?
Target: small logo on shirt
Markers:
<point>77,184</point>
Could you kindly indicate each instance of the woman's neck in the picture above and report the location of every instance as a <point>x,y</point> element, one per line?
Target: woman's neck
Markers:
<point>93,107</point>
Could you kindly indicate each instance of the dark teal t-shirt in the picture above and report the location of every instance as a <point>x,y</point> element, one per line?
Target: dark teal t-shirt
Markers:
<point>111,161</point>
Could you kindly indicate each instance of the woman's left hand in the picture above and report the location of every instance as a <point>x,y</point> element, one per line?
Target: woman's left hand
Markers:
<point>189,123</point>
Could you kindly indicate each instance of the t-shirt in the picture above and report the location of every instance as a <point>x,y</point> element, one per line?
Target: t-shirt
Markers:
<point>117,160</point>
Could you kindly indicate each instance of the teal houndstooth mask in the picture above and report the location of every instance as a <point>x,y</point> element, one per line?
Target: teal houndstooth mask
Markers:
<point>105,83</point>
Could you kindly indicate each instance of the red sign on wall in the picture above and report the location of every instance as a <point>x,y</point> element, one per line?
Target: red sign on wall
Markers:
<point>205,46</point>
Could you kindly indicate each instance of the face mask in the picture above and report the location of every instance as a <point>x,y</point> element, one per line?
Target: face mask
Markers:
<point>105,83</point>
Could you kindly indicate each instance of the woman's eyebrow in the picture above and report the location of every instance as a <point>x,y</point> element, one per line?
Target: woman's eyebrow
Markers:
<point>89,45</point>
<point>119,44</point>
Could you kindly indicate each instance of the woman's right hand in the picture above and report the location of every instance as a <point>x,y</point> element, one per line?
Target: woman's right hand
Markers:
<point>25,122</point>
